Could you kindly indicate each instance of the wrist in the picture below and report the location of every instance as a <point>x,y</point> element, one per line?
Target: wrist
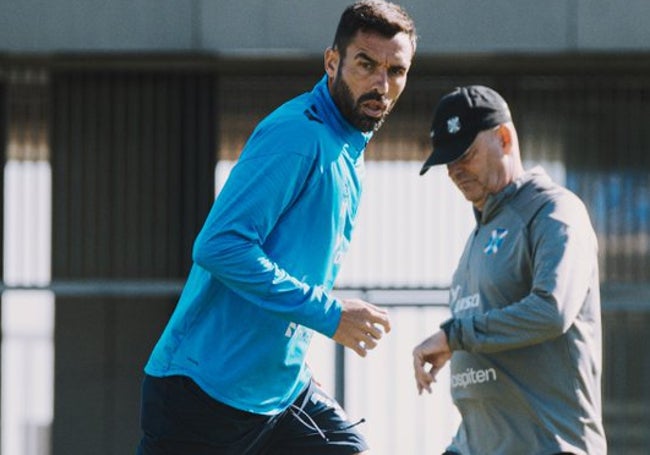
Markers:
<point>446,328</point>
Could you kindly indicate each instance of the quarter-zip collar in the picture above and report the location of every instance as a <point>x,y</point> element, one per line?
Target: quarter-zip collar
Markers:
<point>496,201</point>
<point>332,116</point>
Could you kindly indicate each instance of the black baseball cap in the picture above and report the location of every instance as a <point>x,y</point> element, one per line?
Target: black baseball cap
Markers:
<point>459,117</point>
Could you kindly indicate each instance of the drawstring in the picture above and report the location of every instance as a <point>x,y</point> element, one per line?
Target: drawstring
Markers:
<point>312,425</point>
<point>297,412</point>
<point>352,425</point>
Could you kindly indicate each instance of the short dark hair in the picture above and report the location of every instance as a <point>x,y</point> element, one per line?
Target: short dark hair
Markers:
<point>385,18</point>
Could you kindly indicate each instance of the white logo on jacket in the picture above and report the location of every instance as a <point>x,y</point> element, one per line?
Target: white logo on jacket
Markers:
<point>463,303</point>
<point>455,292</point>
<point>471,376</point>
<point>468,302</point>
<point>496,239</point>
<point>298,331</point>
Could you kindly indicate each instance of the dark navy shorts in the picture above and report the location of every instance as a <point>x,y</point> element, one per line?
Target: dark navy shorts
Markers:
<point>178,418</point>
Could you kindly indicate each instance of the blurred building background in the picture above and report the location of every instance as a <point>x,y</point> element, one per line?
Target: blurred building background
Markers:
<point>119,120</point>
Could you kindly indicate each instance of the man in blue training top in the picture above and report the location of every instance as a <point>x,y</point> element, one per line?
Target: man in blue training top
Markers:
<point>228,375</point>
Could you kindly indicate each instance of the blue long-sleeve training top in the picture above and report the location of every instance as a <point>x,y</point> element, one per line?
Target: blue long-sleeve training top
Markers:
<point>266,259</point>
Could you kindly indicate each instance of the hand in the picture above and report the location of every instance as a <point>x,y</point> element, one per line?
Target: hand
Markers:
<point>360,325</point>
<point>433,351</point>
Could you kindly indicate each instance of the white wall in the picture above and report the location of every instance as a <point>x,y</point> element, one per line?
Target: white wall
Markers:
<point>27,316</point>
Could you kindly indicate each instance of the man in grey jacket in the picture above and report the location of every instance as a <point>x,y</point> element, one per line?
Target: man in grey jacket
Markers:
<point>524,338</point>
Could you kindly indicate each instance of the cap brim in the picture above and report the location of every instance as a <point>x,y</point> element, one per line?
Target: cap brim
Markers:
<point>446,153</point>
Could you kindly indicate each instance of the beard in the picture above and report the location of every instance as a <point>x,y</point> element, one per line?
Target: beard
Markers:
<point>352,110</point>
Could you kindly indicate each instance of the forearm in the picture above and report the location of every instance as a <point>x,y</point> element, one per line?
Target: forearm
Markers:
<point>524,323</point>
<point>245,269</point>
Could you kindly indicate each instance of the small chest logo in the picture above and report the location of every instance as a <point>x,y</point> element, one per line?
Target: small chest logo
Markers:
<point>496,240</point>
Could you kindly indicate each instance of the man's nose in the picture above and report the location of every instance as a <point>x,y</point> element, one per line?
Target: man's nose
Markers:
<point>381,81</point>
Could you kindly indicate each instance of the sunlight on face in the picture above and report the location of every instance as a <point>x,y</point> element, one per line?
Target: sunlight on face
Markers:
<point>368,80</point>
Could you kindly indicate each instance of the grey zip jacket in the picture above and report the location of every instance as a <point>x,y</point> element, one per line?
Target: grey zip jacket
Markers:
<point>526,329</point>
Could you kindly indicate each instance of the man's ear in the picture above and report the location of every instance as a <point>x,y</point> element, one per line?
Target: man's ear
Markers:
<point>505,137</point>
<point>332,60</point>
